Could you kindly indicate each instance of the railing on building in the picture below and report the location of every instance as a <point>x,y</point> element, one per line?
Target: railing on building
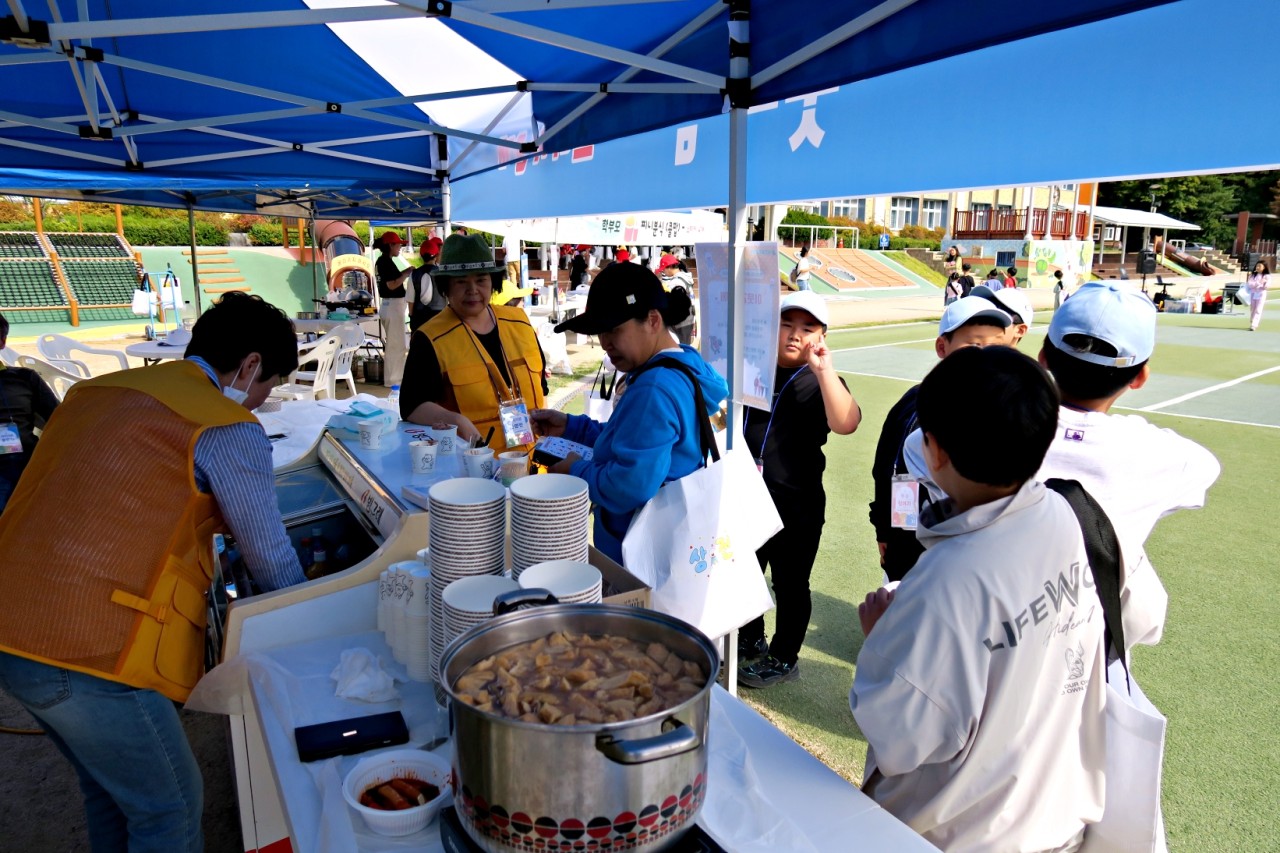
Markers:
<point>1012,224</point>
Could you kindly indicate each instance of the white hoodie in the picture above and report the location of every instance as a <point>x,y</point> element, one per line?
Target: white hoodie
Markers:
<point>1138,473</point>
<point>981,689</point>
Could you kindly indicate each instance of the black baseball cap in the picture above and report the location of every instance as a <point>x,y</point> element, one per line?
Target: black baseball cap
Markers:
<point>619,292</point>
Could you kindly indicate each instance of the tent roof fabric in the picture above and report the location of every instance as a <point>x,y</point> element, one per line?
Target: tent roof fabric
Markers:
<point>222,103</point>
<point>1141,219</point>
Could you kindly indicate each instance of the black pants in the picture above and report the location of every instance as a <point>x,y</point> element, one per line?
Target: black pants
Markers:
<point>790,555</point>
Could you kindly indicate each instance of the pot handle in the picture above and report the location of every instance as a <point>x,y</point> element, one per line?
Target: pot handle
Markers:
<point>679,740</point>
<point>517,598</point>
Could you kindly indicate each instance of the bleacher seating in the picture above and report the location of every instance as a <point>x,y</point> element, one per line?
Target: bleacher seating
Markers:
<point>28,284</point>
<point>102,282</point>
<point>87,245</point>
<point>16,244</point>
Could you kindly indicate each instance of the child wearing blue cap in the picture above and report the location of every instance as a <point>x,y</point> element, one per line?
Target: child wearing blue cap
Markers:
<point>1098,347</point>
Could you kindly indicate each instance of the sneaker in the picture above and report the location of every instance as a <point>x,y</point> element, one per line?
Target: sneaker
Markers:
<point>754,652</point>
<point>768,671</point>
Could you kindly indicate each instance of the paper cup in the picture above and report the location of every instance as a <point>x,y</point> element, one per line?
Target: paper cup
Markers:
<point>370,435</point>
<point>447,438</point>
<point>422,454</point>
<point>478,462</point>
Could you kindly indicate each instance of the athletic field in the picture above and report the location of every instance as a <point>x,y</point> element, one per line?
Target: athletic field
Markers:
<point>1214,673</point>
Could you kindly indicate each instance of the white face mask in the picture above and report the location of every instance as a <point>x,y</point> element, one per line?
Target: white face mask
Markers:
<point>234,394</point>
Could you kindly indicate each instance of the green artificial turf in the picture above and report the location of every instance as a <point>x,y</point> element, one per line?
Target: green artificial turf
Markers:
<point>1213,674</point>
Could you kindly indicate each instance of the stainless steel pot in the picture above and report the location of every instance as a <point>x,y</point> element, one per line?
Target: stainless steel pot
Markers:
<point>308,315</point>
<point>635,785</point>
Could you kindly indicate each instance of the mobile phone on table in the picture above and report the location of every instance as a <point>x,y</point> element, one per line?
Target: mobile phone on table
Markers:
<point>350,736</point>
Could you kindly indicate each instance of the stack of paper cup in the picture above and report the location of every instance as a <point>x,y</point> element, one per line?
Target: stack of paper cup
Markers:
<point>469,601</point>
<point>568,580</point>
<point>468,539</point>
<point>416,635</point>
<point>384,597</point>
<point>401,593</point>
<point>549,520</point>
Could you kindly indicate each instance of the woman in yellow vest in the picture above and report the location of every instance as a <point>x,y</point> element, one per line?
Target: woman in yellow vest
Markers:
<point>475,364</point>
<point>106,550</point>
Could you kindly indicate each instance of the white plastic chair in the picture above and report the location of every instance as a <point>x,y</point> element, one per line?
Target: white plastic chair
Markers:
<point>323,352</point>
<point>60,351</point>
<point>9,357</point>
<point>350,339</point>
<point>58,380</point>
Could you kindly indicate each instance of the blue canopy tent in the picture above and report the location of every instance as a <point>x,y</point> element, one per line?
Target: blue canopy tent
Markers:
<point>222,104</point>
<point>1075,105</point>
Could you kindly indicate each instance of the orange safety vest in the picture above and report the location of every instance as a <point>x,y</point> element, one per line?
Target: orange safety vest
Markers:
<point>473,384</point>
<point>106,547</point>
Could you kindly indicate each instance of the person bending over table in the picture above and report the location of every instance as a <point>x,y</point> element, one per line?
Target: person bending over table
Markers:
<point>107,548</point>
<point>653,435</point>
<point>472,357</point>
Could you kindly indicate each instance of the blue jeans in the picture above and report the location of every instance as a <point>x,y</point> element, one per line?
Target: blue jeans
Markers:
<point>141,783</point>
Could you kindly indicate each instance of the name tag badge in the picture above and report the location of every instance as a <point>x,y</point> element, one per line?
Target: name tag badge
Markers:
<point>10,440</point>
<point>517,427</point>
<point>904,502</point>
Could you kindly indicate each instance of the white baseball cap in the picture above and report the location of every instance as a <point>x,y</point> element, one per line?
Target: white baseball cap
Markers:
<point>1125,319</point>
<point>967,308</point>
<point>1011,299</point>
<point>806,300</point>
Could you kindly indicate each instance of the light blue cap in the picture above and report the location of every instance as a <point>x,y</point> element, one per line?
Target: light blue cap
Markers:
<point>1119,316</point>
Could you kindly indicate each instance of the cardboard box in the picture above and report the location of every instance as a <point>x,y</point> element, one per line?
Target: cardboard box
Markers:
<point>629,589</point>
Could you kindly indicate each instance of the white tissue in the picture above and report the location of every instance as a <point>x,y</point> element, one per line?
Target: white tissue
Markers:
<point>360,675</point>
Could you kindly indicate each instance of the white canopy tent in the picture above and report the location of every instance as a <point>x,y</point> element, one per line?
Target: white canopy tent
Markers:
<point>1145,219</point>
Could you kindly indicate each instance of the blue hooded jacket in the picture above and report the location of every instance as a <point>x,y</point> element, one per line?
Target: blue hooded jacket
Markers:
<point>651,438</point>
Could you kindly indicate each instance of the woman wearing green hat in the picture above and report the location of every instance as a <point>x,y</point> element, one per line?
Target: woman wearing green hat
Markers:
<point>475,364</point>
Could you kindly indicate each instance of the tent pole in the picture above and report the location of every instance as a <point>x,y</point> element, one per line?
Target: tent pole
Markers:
<point>195,264</point>
<point>315,283</point>
<point>446,205</point>
<point>739,76</point>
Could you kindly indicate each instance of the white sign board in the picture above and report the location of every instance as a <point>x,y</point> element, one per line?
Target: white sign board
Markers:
<point>666,228</point>
<point>757,302</point>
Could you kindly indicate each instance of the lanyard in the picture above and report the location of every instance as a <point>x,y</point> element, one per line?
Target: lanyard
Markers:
<point>769,425</point>
<point>510,393</point>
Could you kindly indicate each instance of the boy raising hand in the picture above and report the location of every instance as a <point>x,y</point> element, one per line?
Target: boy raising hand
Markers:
<point>810,401</point>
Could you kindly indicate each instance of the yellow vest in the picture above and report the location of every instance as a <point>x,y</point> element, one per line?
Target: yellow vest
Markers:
<point>106,545</point>
<point>473,384</point>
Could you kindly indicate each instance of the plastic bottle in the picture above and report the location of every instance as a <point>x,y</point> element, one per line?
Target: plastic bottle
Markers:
<point>319,554</point>
<point>305,556</point>
<point>393,400</point>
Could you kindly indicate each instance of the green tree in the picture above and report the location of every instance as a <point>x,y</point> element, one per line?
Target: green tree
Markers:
<point>803,217</point>
<point>1206,200</point>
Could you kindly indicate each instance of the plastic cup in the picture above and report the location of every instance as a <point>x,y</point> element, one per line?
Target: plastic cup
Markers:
<point>423,456</point>
<point>447,437</point>
<point>478,462</point>
<point>370,435</point>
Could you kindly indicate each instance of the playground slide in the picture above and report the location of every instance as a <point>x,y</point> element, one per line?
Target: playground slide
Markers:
<point>344,258</point>
<point>1187,262</point>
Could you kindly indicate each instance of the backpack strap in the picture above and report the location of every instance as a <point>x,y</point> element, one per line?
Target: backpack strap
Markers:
<point>707,435</point>
<point>1103,549</point>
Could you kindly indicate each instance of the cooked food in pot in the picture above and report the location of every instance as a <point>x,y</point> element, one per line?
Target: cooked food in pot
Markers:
<point>568,679</point>
<point>398,794</point>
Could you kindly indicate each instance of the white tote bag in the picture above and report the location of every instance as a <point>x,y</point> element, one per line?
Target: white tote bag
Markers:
<point>1131,821</point>
<point>599,397</point>
<point>695,542</point>
<point>142,302</point>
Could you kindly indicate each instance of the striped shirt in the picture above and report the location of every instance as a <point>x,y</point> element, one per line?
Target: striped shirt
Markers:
<point>234,464</point>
